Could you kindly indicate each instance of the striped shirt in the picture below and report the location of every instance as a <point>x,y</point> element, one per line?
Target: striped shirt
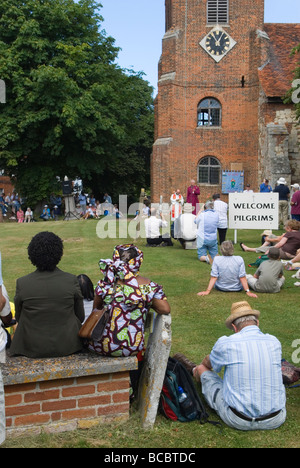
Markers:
<point>252,377</point>
<point>207,222</point>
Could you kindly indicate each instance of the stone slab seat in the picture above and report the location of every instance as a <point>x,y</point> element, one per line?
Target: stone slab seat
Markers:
<point>20,369</point>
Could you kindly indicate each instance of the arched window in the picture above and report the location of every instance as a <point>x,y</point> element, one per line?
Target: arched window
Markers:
<point>209,171</point>
<point>209,113</point>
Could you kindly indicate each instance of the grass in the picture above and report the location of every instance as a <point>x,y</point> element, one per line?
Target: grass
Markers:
<point>196,325</point>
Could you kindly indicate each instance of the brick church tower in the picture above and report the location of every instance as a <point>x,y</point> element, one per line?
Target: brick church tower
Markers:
<point>207,110</point>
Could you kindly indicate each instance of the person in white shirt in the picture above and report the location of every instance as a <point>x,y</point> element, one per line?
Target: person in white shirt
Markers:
<point>185,228</point>
<point>221,208</point>
<point>28,215</point>
<point>153,225</point>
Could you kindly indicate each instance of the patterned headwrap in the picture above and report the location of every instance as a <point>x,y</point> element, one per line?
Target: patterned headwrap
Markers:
<point>116,269</point>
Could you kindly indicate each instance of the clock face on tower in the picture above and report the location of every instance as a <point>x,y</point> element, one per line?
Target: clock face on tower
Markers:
<point>217,43</point>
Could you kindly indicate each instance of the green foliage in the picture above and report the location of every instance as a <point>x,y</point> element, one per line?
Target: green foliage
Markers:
<point>69,107</point>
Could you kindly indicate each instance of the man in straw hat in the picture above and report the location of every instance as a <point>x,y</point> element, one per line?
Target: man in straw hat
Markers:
<point>252,395</point>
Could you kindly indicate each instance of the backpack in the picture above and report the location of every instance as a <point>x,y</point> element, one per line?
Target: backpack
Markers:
<point>177,376</point>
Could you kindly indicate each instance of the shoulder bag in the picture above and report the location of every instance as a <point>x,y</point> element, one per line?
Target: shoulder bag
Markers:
<point>93,327</point>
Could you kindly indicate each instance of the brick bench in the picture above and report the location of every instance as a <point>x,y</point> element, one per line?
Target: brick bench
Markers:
<point>78,391</point>
<point>62,394</point>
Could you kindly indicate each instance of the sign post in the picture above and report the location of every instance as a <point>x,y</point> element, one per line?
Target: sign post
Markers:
<point>253,211</point>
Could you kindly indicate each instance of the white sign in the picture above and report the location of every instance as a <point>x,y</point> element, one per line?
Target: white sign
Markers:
<point>253,210</point>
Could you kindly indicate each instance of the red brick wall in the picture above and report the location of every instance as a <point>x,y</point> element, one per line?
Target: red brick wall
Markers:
<point>199,76</point>
<point>6,185</point>
<point>66,404</point>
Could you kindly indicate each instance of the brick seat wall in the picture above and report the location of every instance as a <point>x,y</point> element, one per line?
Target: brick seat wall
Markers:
<point>61,394</point>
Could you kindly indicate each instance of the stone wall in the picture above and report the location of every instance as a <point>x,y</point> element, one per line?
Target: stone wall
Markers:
<point>279,137</point>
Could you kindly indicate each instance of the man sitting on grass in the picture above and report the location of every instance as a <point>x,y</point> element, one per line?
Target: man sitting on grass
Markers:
<point>252,395</point>
<point>268,278</point>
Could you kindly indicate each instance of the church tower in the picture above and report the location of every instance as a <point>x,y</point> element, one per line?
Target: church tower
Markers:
<point>207,107</point>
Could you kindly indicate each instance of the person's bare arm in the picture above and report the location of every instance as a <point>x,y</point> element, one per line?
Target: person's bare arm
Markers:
<point>161,306</point>
<point>210,286</point>
<point>245,285</point>
<point>281,243</point>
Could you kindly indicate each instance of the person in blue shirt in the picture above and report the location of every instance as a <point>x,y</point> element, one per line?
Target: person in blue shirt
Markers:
<point>46,213</point>
<point>3,205</point>
<point>251,395</point>
<point>228,272</point>
<point>82,201</point>
<point>265,187</point>
<point>207,223</point>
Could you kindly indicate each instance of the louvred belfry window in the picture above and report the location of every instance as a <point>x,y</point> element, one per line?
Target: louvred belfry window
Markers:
<point>217,11</point>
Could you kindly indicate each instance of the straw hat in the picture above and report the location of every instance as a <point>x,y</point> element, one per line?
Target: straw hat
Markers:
<point>267,232</point>
<point>238,310</point>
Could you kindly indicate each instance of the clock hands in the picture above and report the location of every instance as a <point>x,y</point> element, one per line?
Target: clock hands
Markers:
<point>219,40</point>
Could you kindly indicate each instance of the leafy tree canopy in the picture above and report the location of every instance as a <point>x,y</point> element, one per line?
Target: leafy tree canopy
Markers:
<point>70,109</point>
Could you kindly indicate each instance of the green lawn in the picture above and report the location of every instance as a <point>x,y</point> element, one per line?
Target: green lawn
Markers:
<point>196,325</point>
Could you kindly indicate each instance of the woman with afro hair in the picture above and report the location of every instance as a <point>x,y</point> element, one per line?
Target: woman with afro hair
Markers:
<point>48,304</point>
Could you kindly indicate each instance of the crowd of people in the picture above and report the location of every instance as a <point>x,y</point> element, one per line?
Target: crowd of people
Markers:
<point>51,306</point>
<point>86,206</point>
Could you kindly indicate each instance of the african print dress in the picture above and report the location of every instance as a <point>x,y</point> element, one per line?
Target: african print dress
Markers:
<point>128,305</point>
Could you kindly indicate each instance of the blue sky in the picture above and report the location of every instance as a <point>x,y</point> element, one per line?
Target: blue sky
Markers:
<point>138,27</point>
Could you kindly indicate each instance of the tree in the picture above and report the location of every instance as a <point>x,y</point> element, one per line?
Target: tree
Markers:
<point>70,110</point>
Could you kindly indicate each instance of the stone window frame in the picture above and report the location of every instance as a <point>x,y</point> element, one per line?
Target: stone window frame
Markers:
<point>209,114</point>
<point>209,170</point>
<point>217,11</point>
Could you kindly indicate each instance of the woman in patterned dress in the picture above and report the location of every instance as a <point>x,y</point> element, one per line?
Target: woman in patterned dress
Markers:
<point>129,298</point>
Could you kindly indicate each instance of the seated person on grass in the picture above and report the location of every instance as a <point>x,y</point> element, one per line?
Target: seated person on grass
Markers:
<point>251,396</point>
<point>268,278</point>
<point>228,272</point>
<point>288,244</point>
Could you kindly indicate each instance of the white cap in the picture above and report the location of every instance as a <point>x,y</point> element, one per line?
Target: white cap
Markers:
<point>296,186</point>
